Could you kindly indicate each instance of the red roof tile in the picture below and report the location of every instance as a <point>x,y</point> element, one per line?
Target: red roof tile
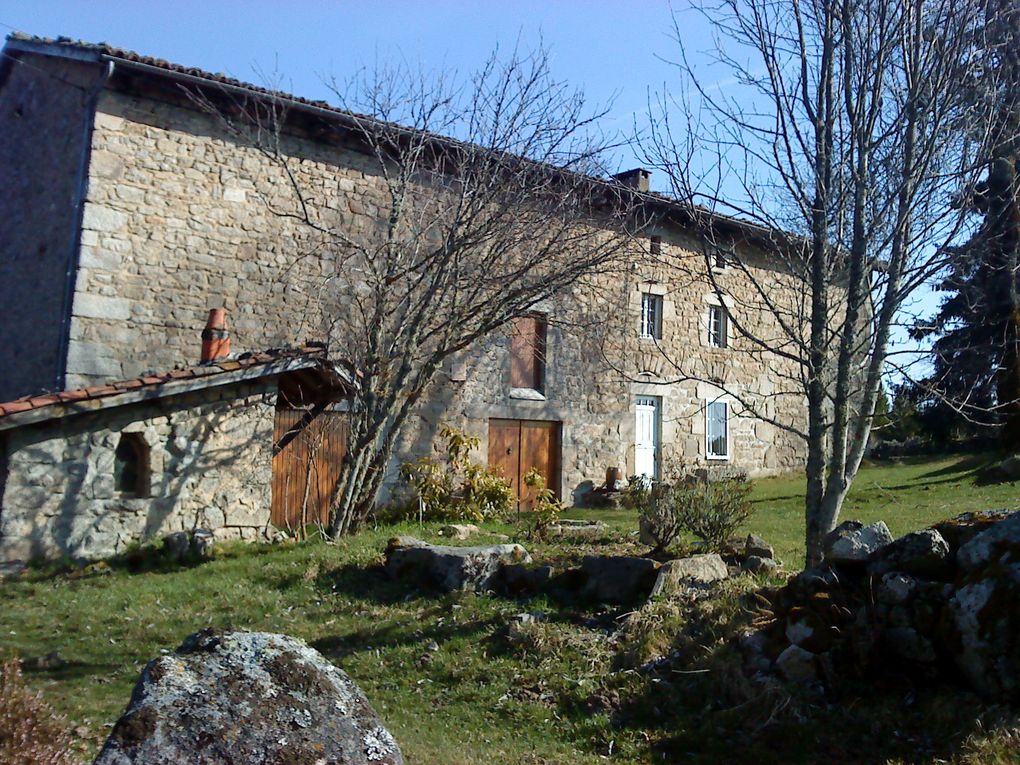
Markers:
<point>249,360</point>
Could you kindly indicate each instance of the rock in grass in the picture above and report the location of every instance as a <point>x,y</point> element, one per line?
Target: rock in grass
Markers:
<point>853,542</point>
<point>797,665</point>
<point>683,573</point>
<point>618,579</point>
<point>459,531</point>
<point>756,565</point>
<point>247,697</point>
<point>756,546</point>
<point>450,568</point>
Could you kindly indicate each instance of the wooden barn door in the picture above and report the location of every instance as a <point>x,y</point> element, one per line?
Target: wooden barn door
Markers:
<point>306,466</point>
<point>517,446</point>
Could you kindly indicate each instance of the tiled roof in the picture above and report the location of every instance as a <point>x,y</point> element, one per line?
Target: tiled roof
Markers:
<point>105,49</point>
<point>203,371</point>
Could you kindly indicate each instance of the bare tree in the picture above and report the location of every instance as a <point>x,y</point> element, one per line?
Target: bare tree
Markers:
<point>454,237</point>
<point>848,134</point>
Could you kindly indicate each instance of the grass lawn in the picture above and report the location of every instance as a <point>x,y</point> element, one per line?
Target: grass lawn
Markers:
<point>564,691</point>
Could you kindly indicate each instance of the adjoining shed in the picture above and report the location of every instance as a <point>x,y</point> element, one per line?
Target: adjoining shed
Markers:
<point>232,445</point>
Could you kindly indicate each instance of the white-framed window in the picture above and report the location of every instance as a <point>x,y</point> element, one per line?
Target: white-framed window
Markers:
<point>651,315</point>
<point>717,430</point>
<point>717,329</point>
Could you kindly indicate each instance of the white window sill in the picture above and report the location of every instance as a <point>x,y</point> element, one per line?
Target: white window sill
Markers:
<point>527,394</point>
<point>718,457</point>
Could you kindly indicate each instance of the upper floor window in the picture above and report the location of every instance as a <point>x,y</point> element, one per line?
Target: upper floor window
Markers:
<point>655,245</point>
<point>719,260</point>
<point>651,316</point>
<point>717,329</point>
<point>131,466</point>
<point>527,353</point>
<point>717,430</point>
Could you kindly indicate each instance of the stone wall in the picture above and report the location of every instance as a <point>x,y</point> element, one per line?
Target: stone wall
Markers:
<point>45,117</point>
<point>182,217</point>
<point>210,466</point>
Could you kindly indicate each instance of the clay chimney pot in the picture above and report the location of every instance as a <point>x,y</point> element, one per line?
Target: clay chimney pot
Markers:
<point>215,337</point>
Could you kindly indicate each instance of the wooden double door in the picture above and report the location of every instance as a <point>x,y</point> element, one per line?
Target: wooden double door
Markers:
<point>307,455</point>
<point>517,446</point>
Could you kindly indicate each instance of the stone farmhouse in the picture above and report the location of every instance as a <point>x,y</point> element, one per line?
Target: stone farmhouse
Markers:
<point>130,213</point>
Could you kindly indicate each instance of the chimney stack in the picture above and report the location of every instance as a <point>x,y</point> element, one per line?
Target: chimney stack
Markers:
<point>638,179</point>
<point>215,338</point>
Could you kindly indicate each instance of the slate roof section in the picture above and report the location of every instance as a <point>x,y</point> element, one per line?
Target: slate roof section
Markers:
<point>689,214</point>
<point>245,366</point>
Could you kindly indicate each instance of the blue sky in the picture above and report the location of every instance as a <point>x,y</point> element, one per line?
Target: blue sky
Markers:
<point>611,50</point>
<point>614,51</point>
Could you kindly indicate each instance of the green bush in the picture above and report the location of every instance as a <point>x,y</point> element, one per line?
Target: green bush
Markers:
<point>712,510</point>
<point>658,517</point>
<point>31,733</point>
<point>546,509</point>
<point>453,488</point>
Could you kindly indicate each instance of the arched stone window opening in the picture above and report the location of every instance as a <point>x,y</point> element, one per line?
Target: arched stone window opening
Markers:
<point>131,466</point>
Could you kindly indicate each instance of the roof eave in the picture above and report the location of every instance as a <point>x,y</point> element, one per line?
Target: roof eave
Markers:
<point>167,389</point>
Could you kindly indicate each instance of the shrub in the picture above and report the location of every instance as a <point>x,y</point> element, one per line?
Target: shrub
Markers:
<point>546,509</point>
<point>712,510</point>
<point>31,733</point>
<point>658,515</point>
<point>454,488</point>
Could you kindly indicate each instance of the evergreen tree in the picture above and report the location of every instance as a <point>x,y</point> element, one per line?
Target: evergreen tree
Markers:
<point>976,358</point>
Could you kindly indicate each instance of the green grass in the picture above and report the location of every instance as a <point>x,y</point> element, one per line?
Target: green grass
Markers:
<point>485,698</point>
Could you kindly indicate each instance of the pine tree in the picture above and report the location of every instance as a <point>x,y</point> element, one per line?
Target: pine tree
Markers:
<point>976,358</point>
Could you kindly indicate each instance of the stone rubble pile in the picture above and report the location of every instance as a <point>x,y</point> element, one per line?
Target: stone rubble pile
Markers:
<point>942,602</point>
<point>612,579</point>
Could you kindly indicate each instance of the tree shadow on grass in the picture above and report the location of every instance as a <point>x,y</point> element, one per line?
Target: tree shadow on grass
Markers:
<point>970,464</point>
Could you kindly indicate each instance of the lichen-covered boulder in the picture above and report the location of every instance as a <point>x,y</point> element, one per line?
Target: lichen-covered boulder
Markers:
<point>986,616</point>
<point>233,698</point>
<point>853,542</point>
<point>451,568</point>
<point>998,543</point>
<point>985,609</point>
<point>685,573</point>
<point>922,553</point>
<point>959,530</point>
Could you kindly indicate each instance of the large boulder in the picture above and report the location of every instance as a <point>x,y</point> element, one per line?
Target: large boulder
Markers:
<point>247,698</point>
<point>986,619</point>
<point>450,568</point>
<point>853,542</point>
<point>922,553</point>
<point>696,571</point>
<point>999,543</point>
<point>959,530</point>
<point>618,579</point>
<point>985,609</point>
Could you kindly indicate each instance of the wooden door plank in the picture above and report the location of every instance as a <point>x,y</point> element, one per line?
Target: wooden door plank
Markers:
<point>504,450</point>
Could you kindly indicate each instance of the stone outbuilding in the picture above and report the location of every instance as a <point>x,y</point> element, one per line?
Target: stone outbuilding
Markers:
<point>225,446</point>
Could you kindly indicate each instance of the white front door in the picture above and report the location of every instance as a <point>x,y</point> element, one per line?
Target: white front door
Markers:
<point>646,438</point>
